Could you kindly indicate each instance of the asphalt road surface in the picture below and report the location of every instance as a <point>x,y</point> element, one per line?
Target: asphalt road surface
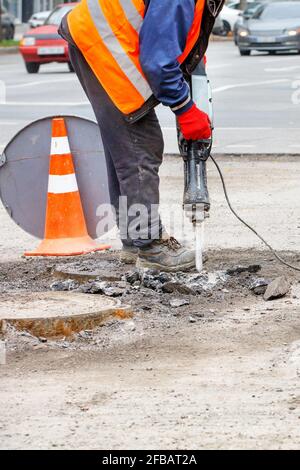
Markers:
<point>257,100</point>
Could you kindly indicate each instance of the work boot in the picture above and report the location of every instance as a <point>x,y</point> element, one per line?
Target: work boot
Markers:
<point>166,255</point>
<point>129,254</point>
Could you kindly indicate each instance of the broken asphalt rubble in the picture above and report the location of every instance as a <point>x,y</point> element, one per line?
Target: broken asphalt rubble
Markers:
<point>185,284</point>
<point>277,289</point>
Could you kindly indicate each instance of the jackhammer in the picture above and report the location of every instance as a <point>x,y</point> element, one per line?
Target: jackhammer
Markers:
<point>196,202</point>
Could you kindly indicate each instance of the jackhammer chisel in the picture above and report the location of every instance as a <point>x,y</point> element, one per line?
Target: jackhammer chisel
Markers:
<point>196,202</point>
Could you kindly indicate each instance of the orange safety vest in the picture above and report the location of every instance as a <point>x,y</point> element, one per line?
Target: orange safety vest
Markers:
<point>107,34</point>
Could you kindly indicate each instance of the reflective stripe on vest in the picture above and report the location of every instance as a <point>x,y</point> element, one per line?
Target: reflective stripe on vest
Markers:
<point>107,33</point>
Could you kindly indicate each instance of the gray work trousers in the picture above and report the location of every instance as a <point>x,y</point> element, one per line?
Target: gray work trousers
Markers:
<point>133,155</point>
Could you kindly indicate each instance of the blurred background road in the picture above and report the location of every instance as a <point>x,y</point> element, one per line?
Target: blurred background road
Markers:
<point>256,100</point>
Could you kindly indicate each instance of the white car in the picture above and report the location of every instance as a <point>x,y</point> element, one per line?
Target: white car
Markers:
<point>229,16</point>
<point>38,19</point>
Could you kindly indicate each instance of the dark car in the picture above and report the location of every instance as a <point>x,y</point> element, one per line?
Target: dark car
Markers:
<point>275,27</point>
<point>44,45</point>
<point>8,24</point>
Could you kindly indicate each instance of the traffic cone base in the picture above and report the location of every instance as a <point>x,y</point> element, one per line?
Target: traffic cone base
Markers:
<point>67,247</point>
<point>65,228</point>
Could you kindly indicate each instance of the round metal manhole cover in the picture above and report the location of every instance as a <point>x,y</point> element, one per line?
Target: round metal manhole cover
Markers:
<point>58,313</point>
<point>25,172</point>
<point>84,270</point>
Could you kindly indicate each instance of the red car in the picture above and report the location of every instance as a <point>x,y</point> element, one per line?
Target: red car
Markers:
<point>43,45</point>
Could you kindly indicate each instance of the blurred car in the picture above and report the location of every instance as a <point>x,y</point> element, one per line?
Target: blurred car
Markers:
<point>229,17</point>
<point>244,16</point>
<point>8,24</point>
<point>43,45</point>
<point>219,29</point>
<point>236,4</point>
<point>38,19</point>
<point>274,27</point>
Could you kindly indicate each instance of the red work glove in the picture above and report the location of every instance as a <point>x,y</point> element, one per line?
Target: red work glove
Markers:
<point>195,124</point>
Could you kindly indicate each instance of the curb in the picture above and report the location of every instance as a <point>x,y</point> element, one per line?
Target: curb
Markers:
<point>9,50</point>
<point>214,38</point>
<point>247,156</point>
<point>256,156</point>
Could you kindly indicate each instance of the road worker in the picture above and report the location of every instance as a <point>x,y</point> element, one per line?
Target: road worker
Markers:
<point>129,56</point>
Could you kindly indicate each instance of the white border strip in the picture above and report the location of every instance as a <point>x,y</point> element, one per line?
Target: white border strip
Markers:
<point>62,184</point>
<point>60,146</point>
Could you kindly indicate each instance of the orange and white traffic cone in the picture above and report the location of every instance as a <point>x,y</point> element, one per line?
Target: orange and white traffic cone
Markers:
<point>65,232</point>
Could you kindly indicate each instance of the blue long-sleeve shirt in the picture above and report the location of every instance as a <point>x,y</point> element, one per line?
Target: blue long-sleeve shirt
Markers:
<point>162,40</point>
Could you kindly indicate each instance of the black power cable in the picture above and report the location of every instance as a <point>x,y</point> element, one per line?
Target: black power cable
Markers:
<point>278,257</point>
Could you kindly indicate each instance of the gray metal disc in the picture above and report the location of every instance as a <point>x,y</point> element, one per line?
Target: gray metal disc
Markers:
<point>24,171</point>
